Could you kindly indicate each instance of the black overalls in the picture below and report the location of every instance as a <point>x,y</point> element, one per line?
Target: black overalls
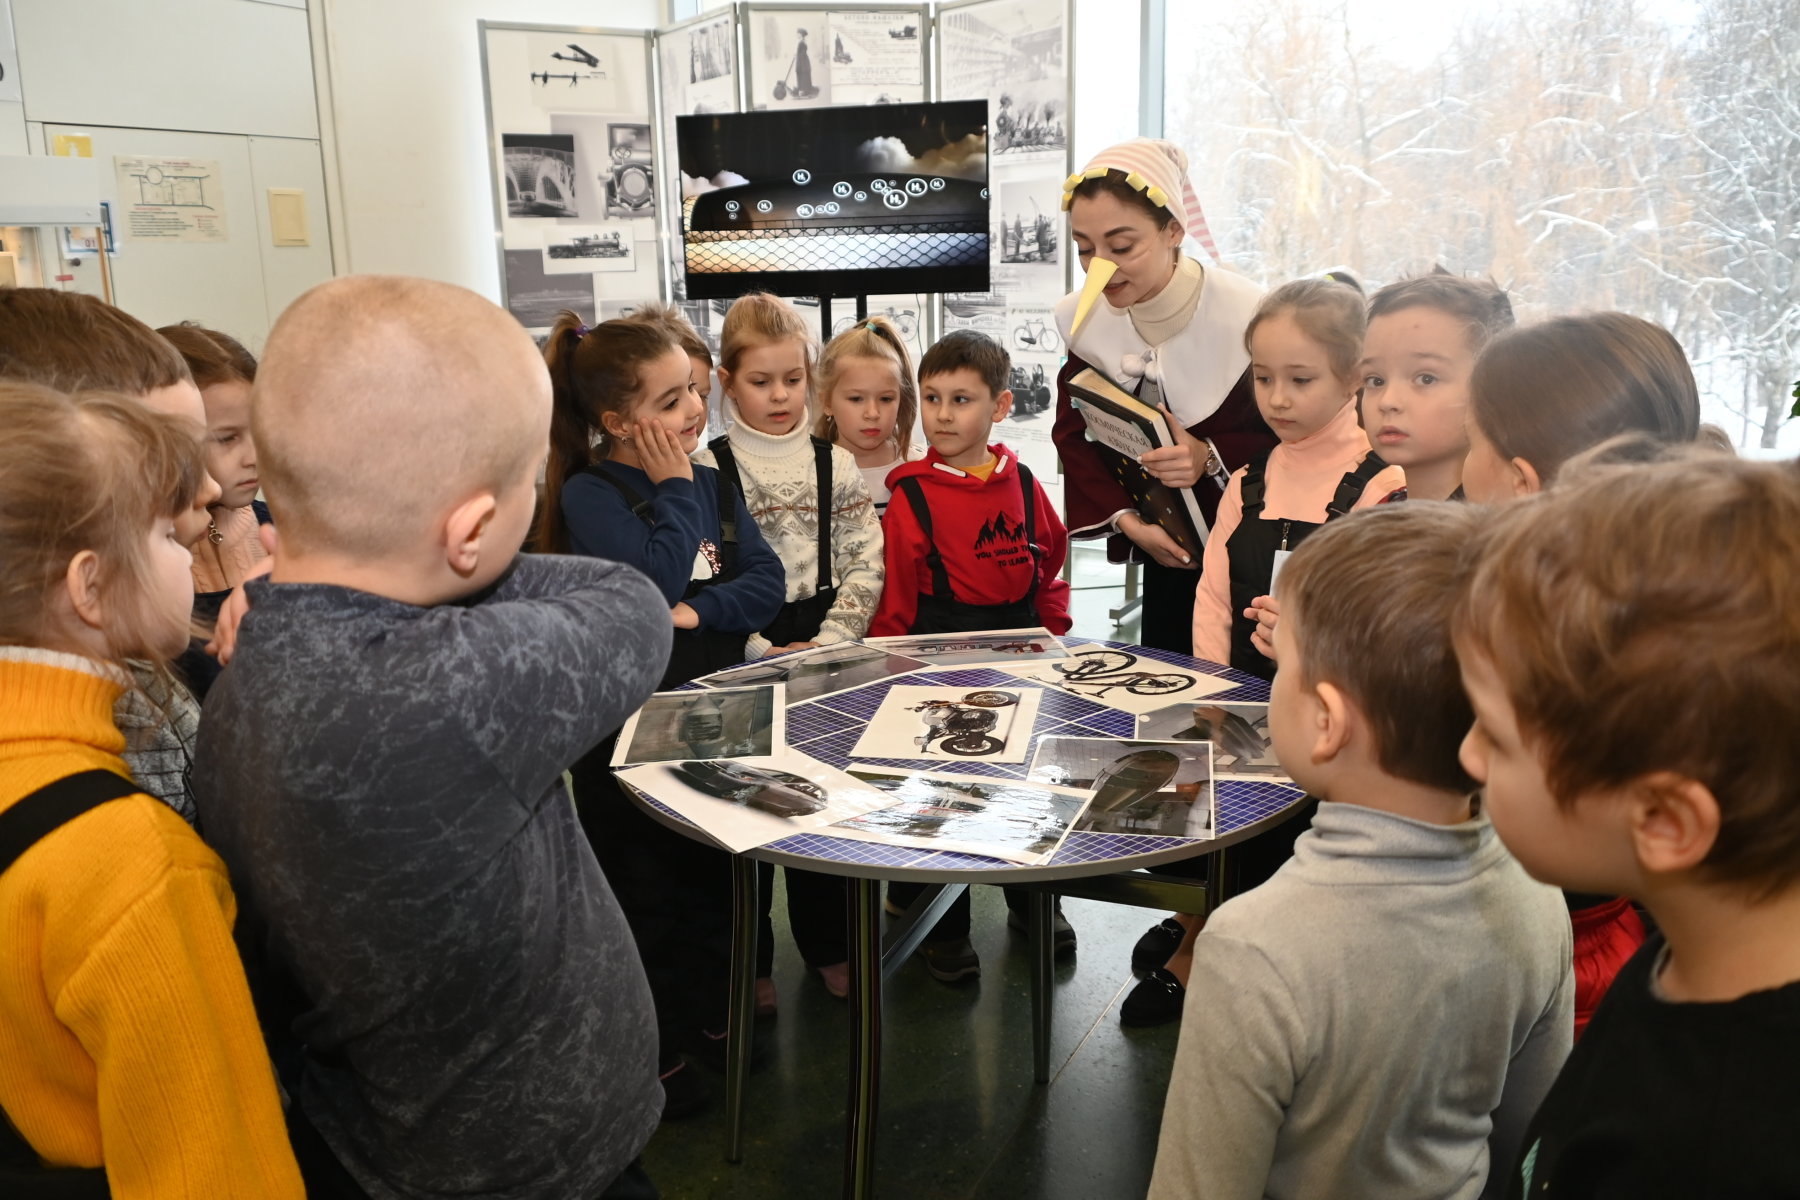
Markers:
<point>939,610</point>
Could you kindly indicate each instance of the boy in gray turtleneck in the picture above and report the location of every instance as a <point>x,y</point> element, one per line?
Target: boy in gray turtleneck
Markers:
<point>1383,1016</point>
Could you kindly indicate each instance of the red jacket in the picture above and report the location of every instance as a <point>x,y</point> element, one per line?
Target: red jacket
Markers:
<point>978,527</point>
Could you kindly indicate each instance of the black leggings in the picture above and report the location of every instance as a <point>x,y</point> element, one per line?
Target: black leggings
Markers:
<point>818,914</point>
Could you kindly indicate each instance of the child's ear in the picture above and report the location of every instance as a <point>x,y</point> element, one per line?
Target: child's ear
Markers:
<point>81,584</point>
<point>465,529</point>
<point>1332,717</point>
<point>1002,405</point>
<point>614,426</point>
<point>1524,478</point>
<point>1674,822</point>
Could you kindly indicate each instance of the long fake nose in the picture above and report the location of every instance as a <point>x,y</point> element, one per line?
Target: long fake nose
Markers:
<point>1100,273</point>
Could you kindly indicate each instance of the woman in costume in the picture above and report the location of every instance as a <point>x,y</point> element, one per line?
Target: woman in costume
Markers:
<point>1170,331</point>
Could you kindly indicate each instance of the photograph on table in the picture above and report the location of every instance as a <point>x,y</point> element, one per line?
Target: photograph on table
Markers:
<point>1163,788</point>
<point>951,723</point>
<point>1239,733</point>
<point>744,722</point>
<point>997,818</point>
<point>971,649</point>
<point>1132,683</point>
<point>742,805</point>
<point>820,671</point>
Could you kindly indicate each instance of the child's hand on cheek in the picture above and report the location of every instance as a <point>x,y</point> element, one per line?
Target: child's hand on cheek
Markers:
<point>1265,612</point>
<point>659,453</point>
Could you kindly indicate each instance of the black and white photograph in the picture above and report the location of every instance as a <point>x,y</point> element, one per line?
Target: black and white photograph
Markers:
<point>1030,222</point>
<point>742,805</point>
<point>1242,746</point>
<point>615,175</point>
<point>971,649</point>
<point>540,174</point>
<point>996,818</point>
<point>1012,52</point>
<point>534,296</point>
<point>1119,679</point>
<point>744,722</point>
<point>951,724</point>
<point>876,57</point>
<point>820,671</point>
<point>790,59</point>
<point>585,249</point>
<point>709,51</point>
<point>583,72</point>
<point>1163,788</point>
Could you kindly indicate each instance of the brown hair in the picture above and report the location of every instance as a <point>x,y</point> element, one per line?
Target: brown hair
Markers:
<point>592,372</point>
<point>669,319</point>
<point>85,472</point>
<point>212,357</point>
<point>1327,311</point>
<point>1480,304</point>
<point>1113,184</point>
<point>966,348</point>
<point>759,319</point>
<point>72,341</point>
<point>1371,597</point>
<point>877,338</point>
<point>1640,618</point>
<point>1546,392</point>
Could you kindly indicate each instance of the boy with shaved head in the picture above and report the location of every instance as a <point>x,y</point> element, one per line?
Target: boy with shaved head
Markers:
<point>380,767</point>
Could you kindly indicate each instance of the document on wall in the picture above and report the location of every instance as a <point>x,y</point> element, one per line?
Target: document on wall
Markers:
<point>171,199</point>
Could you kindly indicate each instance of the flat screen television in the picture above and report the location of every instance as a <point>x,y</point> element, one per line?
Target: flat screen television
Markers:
<point>851,201</point>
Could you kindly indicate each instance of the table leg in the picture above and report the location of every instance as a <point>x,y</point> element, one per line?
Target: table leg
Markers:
<point>742,1028</point>
<point>1043,949</point>
<point>1216,891</point>
<point>865,1037</point>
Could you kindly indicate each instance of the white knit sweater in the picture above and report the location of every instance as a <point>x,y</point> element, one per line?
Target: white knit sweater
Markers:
<point>780,486</point>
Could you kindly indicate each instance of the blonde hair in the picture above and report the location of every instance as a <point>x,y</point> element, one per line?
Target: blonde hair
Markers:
<point>876,338</point>
<point>761,319</point>
<point>88,471</point>
<point>1328,311</point>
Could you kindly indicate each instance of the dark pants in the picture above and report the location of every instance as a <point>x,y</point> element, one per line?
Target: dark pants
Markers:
<point>1168,608</point>
<point>818,914</point>
<point>676,893</point>
<point>955,923</point>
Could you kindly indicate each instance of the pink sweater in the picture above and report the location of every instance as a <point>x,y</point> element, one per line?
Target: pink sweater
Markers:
<point>1300,480</point>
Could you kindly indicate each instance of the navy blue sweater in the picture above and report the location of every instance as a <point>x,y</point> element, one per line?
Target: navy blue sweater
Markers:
<point>601,524</point>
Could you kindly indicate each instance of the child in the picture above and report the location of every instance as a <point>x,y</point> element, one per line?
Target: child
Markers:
<point>619,486</point>
<point>128,1042</point>
<point>232,550</point>
<point>72,342</point>
<point>1424,335</point>
<point>972,544</point>
<point>1629,643</point>
<point>1542,394</point>
<point>807,495</point>
<point>869,401</point>
<point>1305,340</point>
<point>381,766</point>
<point>1381,1017</point>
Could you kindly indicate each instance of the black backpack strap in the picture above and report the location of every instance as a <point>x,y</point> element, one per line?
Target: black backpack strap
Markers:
<point>729,486</point>
<point>640,507</point>
<point>54,805</point>
<point>940,578</point>
<point>1029,494</point>
<point>1254,486</point>
<point>822,469</point>
<point>1350,488</point>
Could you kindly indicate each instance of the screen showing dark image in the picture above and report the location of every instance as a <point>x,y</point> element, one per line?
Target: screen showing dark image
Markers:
<point>835,201</point>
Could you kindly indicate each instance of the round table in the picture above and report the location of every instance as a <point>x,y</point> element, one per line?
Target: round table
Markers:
<point>827,729</point>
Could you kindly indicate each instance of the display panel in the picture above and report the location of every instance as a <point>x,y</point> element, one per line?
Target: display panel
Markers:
<point>836,201</point>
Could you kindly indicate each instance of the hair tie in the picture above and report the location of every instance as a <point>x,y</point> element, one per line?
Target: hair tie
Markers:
<point>580,332</point>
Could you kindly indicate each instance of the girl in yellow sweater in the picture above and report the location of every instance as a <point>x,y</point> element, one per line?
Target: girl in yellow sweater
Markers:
<point>127,1038</point>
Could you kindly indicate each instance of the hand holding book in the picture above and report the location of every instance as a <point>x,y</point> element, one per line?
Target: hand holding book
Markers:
<point>1182,465</point>
<point>1153,541</point>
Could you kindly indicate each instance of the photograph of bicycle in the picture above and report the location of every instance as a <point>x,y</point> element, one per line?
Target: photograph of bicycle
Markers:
<point>1129,682</point>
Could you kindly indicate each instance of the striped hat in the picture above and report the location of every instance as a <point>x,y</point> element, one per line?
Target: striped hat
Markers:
<point>1157,168</point>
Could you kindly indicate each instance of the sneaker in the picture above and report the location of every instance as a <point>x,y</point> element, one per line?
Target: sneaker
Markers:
<point>1156,1000</point>
<point>836,979</point>
<point>1062,934</point>
<point>684,1092</point>
<point>1158,944</point>
<point>765,998</point>
<point>950,961</point>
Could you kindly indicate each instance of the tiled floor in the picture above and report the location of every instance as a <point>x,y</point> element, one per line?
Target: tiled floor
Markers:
<point>960,1117</point>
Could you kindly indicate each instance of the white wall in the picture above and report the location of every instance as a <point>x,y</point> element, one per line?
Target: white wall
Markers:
<point>404,78</point>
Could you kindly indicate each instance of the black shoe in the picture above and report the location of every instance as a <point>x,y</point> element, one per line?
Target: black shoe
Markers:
<point>951,961</point>
<point>713,1053</point>
<point>1156,947</point>
<point>1062,934</point>
<point>684,1092</point>
<point>1156,1000</point>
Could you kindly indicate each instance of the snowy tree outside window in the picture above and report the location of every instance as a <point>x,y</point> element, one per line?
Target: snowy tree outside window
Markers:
<point>1642,155</point>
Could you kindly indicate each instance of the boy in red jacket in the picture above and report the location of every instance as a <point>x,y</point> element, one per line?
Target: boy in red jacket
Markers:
<point>973,544</point>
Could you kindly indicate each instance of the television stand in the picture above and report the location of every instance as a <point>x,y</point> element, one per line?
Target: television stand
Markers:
<point>862,314</point>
